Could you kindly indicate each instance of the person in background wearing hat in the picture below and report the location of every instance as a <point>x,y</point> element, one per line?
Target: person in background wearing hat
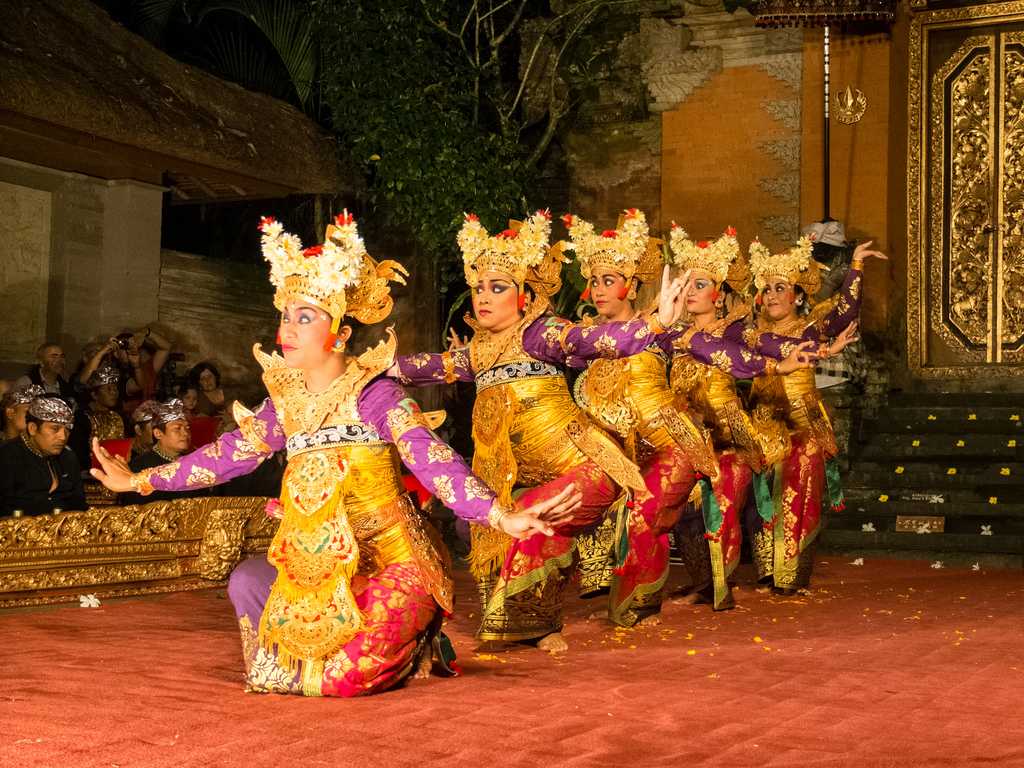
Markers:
<point>171,438</point>
<point>15,408</point>
<point>38,473</point>
<point>142,424</point>
<point>101,418</point>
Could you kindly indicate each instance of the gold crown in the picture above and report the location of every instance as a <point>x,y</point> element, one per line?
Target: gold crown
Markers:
<point>514,252</point>
<point>796,265</point>
<point>339,276</point>
<point>718,259</point>
<point>627,249</point>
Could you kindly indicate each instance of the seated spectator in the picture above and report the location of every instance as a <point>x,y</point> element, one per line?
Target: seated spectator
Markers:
<point>120,353</point>
<point>48,373</point>
<point>142,424</point>
<point>205,379</point>
<point>38,473</point>
<point>15,408</point>
<point>154,351</point>
<point>189,397</point>
<point>171,439</point>
<point>101,418</point>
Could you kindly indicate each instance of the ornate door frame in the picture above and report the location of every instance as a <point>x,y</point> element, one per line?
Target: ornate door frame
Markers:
<point>929,304</point>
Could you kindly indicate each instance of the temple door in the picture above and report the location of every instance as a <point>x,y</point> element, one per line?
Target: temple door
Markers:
<point>966,168</point>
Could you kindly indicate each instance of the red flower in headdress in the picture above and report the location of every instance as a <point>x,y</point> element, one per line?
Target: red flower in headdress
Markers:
<point>472,217</point>
<point>567,219</point>
<point>610,233</point>
<point>313,250</point>
<point>344,218</point>
<point>730,231</point>
<point>546,213</point>
<point>674,225</point>
<point>703,244</point>
<point>631,213</point>
<point>265,221</point>
<point>509,234</point>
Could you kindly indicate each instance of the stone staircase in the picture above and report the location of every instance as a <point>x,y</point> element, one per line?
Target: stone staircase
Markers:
<point>936,476</point>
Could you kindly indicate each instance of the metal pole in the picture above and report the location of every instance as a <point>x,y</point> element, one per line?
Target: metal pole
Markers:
<point>825,136</point>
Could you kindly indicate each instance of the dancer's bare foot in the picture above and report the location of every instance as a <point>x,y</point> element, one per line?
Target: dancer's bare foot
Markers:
<point>690,598</point>
<point>553,643</point>
<point>649,621</point>
<point>425,665</point>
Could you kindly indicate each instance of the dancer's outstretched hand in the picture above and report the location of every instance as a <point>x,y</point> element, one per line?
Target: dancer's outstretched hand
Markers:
<point>114,472</point>
<point>847,337</point>
<point>864,251</point>
<point>800,357</point>
<point>670,299</point>
<point>455,341</point>
<point>542,516</point>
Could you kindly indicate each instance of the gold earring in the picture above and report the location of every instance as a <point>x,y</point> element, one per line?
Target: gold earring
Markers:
<point>631,294</point>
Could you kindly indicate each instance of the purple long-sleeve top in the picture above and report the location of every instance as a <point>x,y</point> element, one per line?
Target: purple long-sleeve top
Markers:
<point>382,405</point>
<point>560,342</point>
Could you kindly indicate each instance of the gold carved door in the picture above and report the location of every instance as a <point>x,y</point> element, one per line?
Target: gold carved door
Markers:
<point>966,223</point>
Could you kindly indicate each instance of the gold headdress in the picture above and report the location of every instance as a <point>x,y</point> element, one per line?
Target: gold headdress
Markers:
<point>339,276</point>
<point>796,265</point>
<point>517,252</point>
<point>719,259</point>
<point>627,249</point>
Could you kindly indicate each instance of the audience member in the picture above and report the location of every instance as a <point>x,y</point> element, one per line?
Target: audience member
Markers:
<point>38,473</point>
<point>142,424</point>
<point>205,379</point>
<point>48,372</point>
<point>15,407</point>
<point>171,439</point>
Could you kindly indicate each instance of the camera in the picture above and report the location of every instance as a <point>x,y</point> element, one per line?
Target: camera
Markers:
<point>123,340</point>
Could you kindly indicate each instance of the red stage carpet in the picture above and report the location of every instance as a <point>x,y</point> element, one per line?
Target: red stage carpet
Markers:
<point>889,664</point>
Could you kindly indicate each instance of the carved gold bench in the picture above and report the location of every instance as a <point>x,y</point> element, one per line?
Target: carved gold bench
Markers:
<point>164,546</point>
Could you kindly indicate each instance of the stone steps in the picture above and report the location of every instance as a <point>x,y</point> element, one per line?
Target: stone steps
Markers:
<point>959,457</point>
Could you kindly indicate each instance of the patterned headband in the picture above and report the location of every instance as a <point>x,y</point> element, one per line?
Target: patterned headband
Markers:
<point>165,413</point>
<point>49,408</point>
<point>24,395</point>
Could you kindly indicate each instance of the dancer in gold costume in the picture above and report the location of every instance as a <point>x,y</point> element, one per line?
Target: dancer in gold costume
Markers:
<point>792,408</point>
<point>631,398</point>
<point>351,592</point>
<point>527,430</point>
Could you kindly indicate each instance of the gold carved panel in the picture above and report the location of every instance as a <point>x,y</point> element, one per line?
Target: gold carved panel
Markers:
<point>965,281</point>
<point>163,546</point>
<point>961,161</point>
<point>1010,233</point>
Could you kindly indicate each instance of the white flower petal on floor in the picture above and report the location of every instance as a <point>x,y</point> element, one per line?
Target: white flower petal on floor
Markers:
<point>986,530</point>
<point>976,567</point>
<point>858,561</point>
<point>88,601</point>
<point>868,528</point>
<point>938,564</point>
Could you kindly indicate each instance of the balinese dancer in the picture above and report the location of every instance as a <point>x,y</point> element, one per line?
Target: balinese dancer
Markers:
<point>719,278</point>
<point>783,547</point>
<point>527,430</point>
<point>351,590</point>
<point>631,397</point>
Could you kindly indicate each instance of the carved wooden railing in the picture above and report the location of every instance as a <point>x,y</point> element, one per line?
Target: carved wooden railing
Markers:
<point>164,546</point>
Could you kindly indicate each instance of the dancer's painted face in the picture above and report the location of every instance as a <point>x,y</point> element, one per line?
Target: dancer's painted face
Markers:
<point>305,332</point>
<point>608,291</point>
<point>495,301</point>
<point>780,299</point>
<point>701,295</point>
